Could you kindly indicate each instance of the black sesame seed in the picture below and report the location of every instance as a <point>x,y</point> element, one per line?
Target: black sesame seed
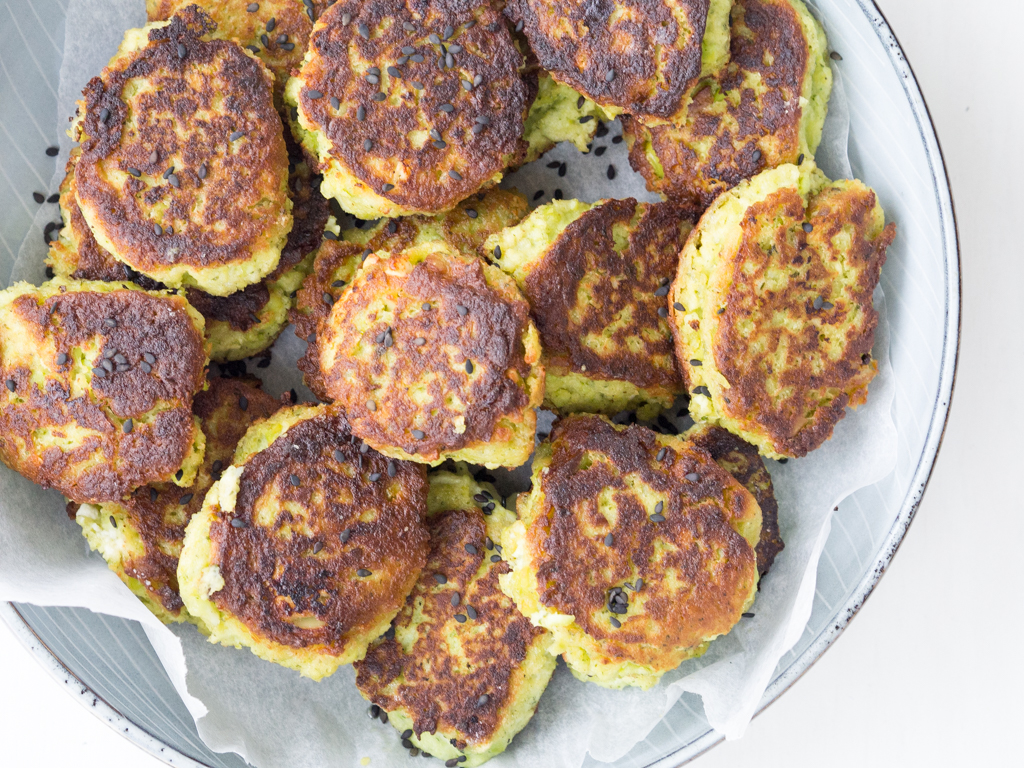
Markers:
<point>364,31</point>
<point>314,94</point>
<point>363,573</point>
<point>286,46</point>
<point>425,306</point>
<point>663,291</point>
<point>146,367</point>
<point>609,540</point>
<point>610,76</point>
<point>294,479</point>
<point>538,194</point>
<point>104,115</point>
<point>372,79</point>
<point>439,144</point>
<point>367,145</point>
<point>12,385</point>
<point>455,599</point>
<point>466,85</point>
<point>386,188</point>
<point>449,60</point>
<point>182,51</point>
<point>418,434</point>
<point>107,366</point>
<point>678,307</point>
<point>252,7</point>
<point>243,402</point>
<point>62,358</point>
<point>236,135</point>
<point>52,151</point>
<point>471,549</point>
<point>461,618</point>
<point>408,26</point>
<point>237,522</point>
<point>800,159</point>
<point>393,71</point>
<point>600,151</point>
<point>345,535</point>
<point>835,56</point>
<point>373,712</point>
<point>657,518</point>
<point>818,301</point>
<point>586,118</point>
<point>701,391</point>
<point>39,197</point>
<point>611,172</point>
<point>557,194</point>
<point>328,235</point>
<point>692,477</point>
<point>178,475</point>
<point>562,168</point>
<point>446,108</point>
<point>827,305</point>
<point>455,175</point>
<point>615,622</point>
<point>661,454</point>
<point>469,366</point>
<point>747,615</point>
<point>757,155</point>
<point>174,181</point>
<point>361,113</point>
<point>374,477</point>
<point>463,311</point>
<point>451,763</point>
<point>185,499</point>
<point>335,104</point>
<point>662,311</point>
<point>97,372</point>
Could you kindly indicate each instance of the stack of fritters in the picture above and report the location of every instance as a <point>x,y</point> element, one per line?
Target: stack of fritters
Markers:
<point>197,225</point>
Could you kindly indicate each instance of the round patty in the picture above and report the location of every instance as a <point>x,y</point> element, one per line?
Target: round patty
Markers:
<point>99,380</point>
<point>409,106</point>
<point>184,172</point>
<point>635,56</point>
<point>765,108</point>
<point>141,536</point>
<point>634,549</point>
<point>308,544</point>
<point>432,355</point>
<point>464,228</point>
<point>460,667</point>
<point>772,307</point>
<point>596,277</point>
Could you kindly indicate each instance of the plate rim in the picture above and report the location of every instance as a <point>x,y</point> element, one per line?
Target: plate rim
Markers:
<point>843,614</point>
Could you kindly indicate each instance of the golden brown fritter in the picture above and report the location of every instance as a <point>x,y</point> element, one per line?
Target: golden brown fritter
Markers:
<point>596,278</point>
<point>772,307</point>
<point>742,460</point>
<point>432,354</point>
<point>99,385</point>
<point>307,546</point>
<point>275,30</point>
<point>635,55</point>
<point>410,106</point>
<point>141,536</point>
<point>465,228</point>
<point>765,108</point>
<point>635,549</point>
<point>184,172</point>
<point>461,667</point>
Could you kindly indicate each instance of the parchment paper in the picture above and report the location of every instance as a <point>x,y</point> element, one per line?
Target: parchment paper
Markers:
<point>273,717</point>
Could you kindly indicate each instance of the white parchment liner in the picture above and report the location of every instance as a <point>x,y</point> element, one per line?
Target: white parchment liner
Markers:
<point>272,717</point>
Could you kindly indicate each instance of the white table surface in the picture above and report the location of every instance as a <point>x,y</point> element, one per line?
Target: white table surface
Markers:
<point>930,671</point>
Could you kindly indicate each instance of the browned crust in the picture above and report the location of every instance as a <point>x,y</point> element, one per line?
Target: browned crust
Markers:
<point>420,175</point>
<point>310,212</point>
<point>442,691</point>
<point>489,336</point>
<point>240,173</point>
<point>576,569</point>
<point>156,511</point>
<point>336,262</point>
<point>742,460</point>
<point>761,131</point>
<point>155,448</point>
<point>271,577</point>
<point>239,310</point>
<point>820,384</point>
<point>292,19</point>
<point>630,280</point>
<point>651,61</point>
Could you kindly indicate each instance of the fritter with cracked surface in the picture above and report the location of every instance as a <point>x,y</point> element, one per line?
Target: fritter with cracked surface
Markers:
<point>596,276</point>
<point>307,546</point>
<point>432,355</point>
<point>634,56</point>
<point>766,107</point>
<point>460,667</point>
<point>464,228</point>
<point>634,549</point>
<point>277,31</point>
<point>99,381</point>
<point>742,460</point>
<point>183,174</point>
<point>141,536</point>
<point>772,307</point>
<point>237,326</point>
<point>409,105</point>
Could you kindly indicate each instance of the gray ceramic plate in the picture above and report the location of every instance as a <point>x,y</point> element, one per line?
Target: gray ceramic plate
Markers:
<point>108,663</point>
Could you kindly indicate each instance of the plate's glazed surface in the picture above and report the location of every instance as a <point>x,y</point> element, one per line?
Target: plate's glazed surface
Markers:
<point>109,664</point>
